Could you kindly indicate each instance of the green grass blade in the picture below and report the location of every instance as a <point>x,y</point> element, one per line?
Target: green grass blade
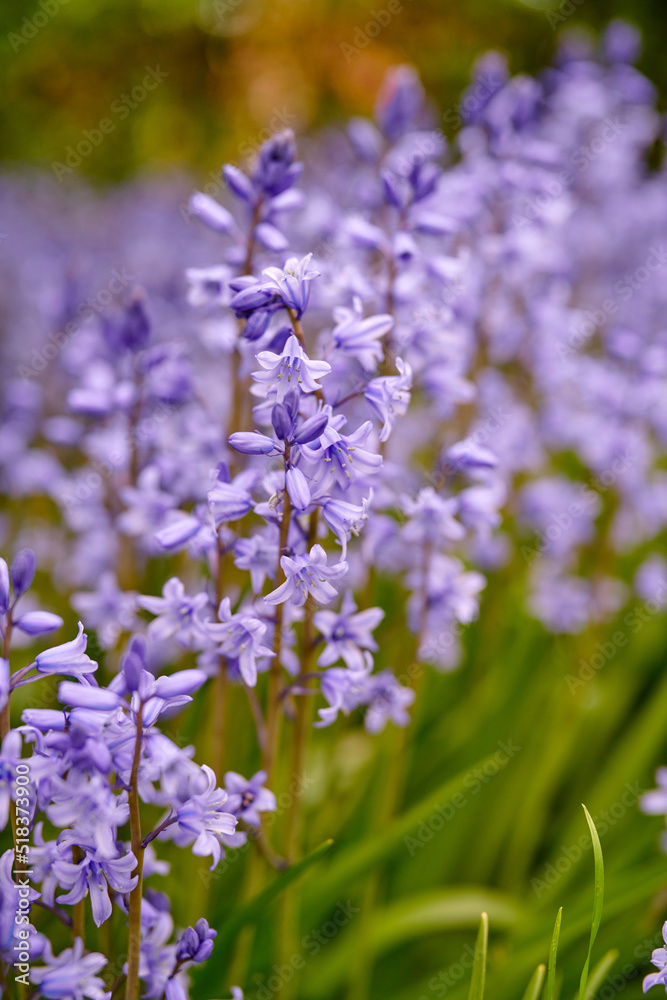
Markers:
<point>599,973</point>
<point>478,980</point>
<point>598,898</point>
<point>255,909</point>
<point>535,983</point>
<point>551,977</point>
<point>359,859</point>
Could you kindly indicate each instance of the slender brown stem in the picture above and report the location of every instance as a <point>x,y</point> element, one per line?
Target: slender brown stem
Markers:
<point>134,917</point>
<point>304,708</point>
<point>79,910</point>
<point>273,713</point>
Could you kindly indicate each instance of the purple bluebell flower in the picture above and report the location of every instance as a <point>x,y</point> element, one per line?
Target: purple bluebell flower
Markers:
<point>178,615</point>
<point>72,975</point>
<point>68,658</point>
<point>347,633</point>
<point>203,819</point>
<point>93,877</point>
<point>291,369</point>
<point>276,170</point>
<point>240,638</point>
<point>292,282</point>
<point>659,960</point>
<point>231,500</point>
<point>355,337</point>
<point>248,797</point>
<point>342,457</point>
<point>389,396</point>
<point>211,212</point>
<point>23,571</point>
<point>307,574</point>
<point>38,622</point>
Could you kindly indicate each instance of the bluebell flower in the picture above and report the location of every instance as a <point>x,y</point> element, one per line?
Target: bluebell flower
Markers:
<point>211,212</point>
<point>4,586</point>
<point>230,501</point>
<point>292,282</point>
<point>179,615</point>
<point>248,797</point>
<point>38,622</point>
<point>23,571</point>
<point>10,756</point>
<point>307,574</point>
<point>386,700</point>
<point>240,638</point>
<point>400,102</point>
<point>203,821</point>
<point>257,555</point>
<point>347,633</point>
<point>289,370</point>
<point>94,876</point>
<point>68,658</point>
<point>196,943</point>
<point>208,286</point>
<point>659,960</point>
<point>276,170</point>
<point>342,457</point>
<point>389,396</point>
<point>71,975</point>
<point>345,519</point>
<point>359,338</point>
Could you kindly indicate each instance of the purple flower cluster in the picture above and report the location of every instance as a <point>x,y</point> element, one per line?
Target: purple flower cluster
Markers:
<point>417,368</point>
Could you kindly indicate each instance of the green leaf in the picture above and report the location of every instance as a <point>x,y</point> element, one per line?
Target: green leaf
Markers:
<point>255,908</point>
<point>409,919</point>
<point>360,859</point>
<point>598,898</point>
<point>478,980</point>
<point>535,983</point>
<point>599,973</point>
<point>551,978</point>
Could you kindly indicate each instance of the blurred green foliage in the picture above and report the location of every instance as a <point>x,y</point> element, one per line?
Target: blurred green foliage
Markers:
<point>234,65</point>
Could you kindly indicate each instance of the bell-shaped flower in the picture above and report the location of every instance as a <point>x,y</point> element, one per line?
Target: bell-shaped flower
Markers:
<point>307,574</point>
<point>68,658</point>
<point>248,797</point>
<point>292,282</point>
<point>289,370</point>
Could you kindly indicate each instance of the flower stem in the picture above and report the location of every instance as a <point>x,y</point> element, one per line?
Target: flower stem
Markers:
<point>79,909</point>
<point>134,918</point>
<point>273,713</point>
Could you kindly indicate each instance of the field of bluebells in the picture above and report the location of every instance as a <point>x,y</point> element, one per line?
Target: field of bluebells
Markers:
<point>334,508</point>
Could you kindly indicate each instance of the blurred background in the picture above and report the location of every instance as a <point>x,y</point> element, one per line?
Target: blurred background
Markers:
<point>234,67</point>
